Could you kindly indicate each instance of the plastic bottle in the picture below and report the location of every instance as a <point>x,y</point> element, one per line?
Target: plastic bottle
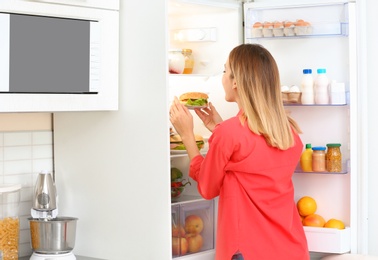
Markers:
<point>307,86</point>
<point>306,159</point>
<point>321,87</point>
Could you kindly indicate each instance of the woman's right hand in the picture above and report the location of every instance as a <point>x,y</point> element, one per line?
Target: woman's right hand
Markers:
<point>209,116</point>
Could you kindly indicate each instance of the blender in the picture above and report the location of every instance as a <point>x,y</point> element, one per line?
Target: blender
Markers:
<point>52,237</point>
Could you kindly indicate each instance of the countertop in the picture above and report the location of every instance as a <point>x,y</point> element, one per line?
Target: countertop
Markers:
<point>78,257</point>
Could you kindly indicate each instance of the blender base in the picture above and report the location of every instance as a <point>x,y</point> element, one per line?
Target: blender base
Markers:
<point>65,256</point>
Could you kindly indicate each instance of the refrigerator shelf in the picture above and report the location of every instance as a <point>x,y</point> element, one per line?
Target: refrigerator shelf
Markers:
<point>345,170</point>
<point>328,240</point>
<point>320,30</point>
<point>288,21</point>
<point>187,199</point>
<point>314,105</point>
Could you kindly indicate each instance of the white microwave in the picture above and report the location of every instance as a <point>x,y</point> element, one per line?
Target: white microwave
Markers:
<point>52,55</point>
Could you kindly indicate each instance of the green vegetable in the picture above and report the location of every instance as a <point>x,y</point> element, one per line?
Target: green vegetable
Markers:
<point>196,102</point>
<point>175,174</point>
<point>180,147</point>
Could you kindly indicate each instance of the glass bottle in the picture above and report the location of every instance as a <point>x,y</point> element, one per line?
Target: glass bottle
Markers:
<point>189,61</point>
<point>333,158</point>
<point>318,159</point>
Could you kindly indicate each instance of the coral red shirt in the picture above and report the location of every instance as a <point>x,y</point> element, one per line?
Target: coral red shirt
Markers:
<point>257,214</point>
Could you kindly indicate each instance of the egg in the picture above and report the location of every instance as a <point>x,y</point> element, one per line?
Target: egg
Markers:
<point>257,25</point>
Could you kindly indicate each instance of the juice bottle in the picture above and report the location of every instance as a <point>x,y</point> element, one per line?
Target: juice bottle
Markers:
<point>189,61</point>
<point>321,87</point>
<point>306,159</point>
<point>307,86</point>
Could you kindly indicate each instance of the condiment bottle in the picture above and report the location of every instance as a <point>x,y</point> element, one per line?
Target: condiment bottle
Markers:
<point>306,159</point>
<point>189,61</point>
<point>307,87</point>
<point>333,158</point>
<point>318,159</point>
<point>321,88</point>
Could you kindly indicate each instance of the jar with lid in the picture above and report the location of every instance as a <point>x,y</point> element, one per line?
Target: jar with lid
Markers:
<point>176,61</point>
<point>189,61</point>
<point>9,220</point>
<point>318,159</point>
<point>333,158</point>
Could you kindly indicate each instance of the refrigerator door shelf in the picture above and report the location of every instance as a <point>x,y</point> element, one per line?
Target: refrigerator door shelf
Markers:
<point>328,240</point>
<point>297,21</point>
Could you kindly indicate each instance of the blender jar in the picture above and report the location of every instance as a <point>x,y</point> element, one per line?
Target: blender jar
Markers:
<point>9,221</point>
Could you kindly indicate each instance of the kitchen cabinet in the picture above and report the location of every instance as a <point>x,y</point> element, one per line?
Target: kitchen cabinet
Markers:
<point>107,97</point>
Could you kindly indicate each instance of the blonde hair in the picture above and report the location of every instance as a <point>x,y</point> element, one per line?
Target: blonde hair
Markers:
<point>258,86</point>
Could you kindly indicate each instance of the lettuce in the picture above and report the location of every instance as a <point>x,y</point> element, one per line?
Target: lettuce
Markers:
<point>196,102</point>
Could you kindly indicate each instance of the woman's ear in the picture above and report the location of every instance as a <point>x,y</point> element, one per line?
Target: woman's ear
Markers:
<point>234,84</point>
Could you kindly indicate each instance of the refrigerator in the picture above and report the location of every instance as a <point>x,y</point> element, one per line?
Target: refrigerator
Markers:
<point>113,168</point>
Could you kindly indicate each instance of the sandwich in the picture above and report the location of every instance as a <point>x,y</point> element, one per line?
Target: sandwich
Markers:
<point>177,144</point>
<point>194,99</point>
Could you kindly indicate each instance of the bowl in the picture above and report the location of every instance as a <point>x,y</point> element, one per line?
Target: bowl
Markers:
<point>178,187</point>
<point>177,192</point>
<point>53,236</point>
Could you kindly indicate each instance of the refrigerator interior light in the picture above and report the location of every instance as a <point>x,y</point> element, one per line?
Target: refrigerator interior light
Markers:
<point>195,35</point>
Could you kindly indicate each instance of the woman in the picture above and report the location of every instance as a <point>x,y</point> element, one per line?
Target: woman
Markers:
<point>250,162</point>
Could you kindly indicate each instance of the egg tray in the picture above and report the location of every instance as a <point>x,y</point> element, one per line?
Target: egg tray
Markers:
<point>291,97</point>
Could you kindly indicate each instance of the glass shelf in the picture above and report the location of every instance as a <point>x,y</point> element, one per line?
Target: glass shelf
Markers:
<point>314,105</point>
<point>345,170</point>
<point>187,199</point>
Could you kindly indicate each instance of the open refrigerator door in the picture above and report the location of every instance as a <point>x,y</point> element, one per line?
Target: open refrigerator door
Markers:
<point>211,29</point>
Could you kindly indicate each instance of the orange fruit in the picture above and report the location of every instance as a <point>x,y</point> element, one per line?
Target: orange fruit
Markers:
<point>313,220</point>
<point>306,206</point>
<point>334,223</point>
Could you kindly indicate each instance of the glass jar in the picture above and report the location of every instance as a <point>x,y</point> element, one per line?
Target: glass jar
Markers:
<point>9,220</point>
<point>189,61</point>
<point>176,61</point>
<point>318,159</point>
<point>333,158</point>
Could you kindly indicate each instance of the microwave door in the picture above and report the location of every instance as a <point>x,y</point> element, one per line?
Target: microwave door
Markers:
<point>50,55</point>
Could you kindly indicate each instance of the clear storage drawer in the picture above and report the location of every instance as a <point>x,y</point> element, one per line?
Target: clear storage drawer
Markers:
<point>192,227</point>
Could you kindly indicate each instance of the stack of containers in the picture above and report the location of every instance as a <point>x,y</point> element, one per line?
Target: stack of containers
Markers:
<point>9,221</point>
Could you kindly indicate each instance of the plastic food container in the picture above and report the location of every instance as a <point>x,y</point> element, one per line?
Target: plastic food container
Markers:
<point>192,227</point>
<point>9,220</point>
<point>176,61</point>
